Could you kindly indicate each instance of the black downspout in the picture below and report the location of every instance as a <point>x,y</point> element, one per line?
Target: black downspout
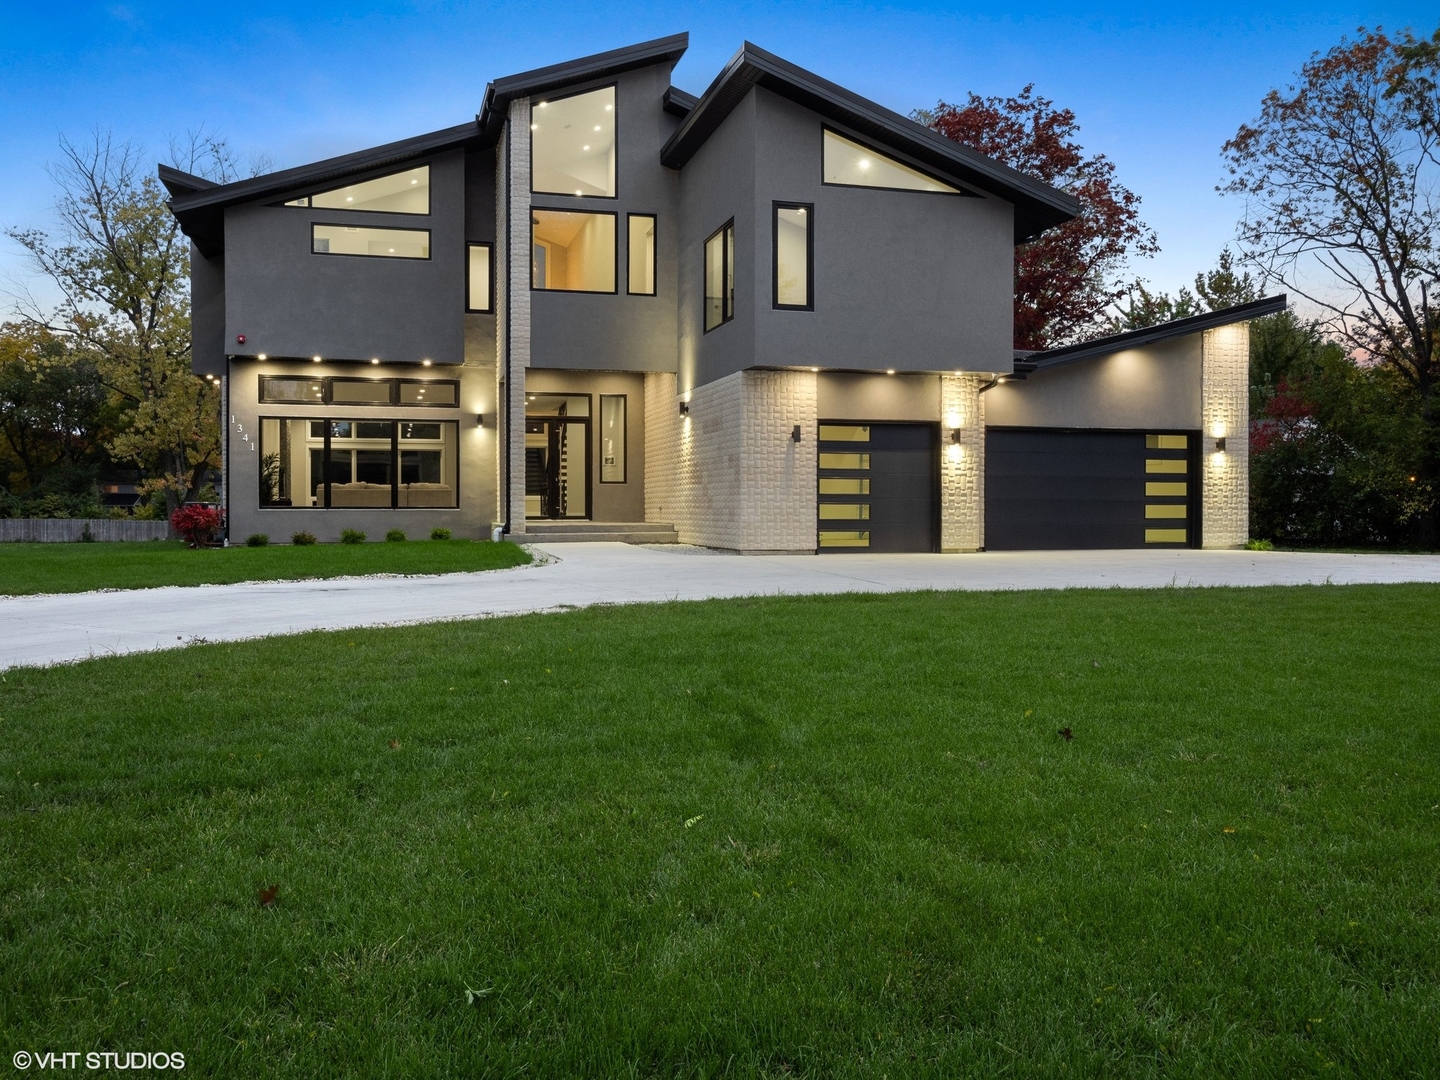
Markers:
<point>509,315</point>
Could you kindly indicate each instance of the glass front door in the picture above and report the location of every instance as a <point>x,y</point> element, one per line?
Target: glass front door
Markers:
<point>557,468</point>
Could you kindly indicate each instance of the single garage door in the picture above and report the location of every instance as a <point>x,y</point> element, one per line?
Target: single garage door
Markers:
<point>1053,489</point>
<point>879,487</point>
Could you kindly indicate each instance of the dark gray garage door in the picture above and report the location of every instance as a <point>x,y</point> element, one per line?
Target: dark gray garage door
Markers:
<point>1053,489</point>
<point>878,487</point>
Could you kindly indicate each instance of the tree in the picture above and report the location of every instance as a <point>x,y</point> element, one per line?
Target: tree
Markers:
<point>1067,278</point>
<point>1338,175</point>
<point>122,267</point>
<point>1219,288</point>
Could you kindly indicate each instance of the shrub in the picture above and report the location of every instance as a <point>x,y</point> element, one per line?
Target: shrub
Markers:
<point>257,540</point>
<point>1259,545</point>
<point>439,533</point>
<point>302,539</point>
<point>395,536</point>
<point>352,536</point>
<point>197,524</point>
<point>86,536</point>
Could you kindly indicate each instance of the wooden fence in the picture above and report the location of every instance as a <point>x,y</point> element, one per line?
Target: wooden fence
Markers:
<point>71,530</point>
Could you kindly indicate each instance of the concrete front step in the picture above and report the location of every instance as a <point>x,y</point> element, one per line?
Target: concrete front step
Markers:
<point>575,532</point>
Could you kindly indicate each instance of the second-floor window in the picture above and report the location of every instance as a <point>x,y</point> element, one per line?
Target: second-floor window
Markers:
<point>642,255</point>
<point>572,251</point>
<point>720,276</point>
<point>572,144</point>
<point>376,243</point>
<point>405,192</point>
<point>794,261</point>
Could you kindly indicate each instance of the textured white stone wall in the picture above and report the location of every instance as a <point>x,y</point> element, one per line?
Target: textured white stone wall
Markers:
<point>962,464</point>
<point>514,292</point>
<point>1225,412</point>
<point>728,474</point>
<point>777,482</point>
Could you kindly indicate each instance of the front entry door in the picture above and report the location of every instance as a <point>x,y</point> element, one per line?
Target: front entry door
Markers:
<point>557,467</point>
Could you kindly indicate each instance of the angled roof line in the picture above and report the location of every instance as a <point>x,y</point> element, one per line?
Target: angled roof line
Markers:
<point>501,92</point>
<point>1038,206</point>
<point>1130,339</point>
<point>179,182</point>
<point>677,101</point>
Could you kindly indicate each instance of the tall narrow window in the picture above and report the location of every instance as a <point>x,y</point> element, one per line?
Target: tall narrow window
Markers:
<point>477,278</point>
<point>720,276</point>
<point>572,144</point>
<point>572,251</point>
<point>612,438</point>
<point>793,262</point>
<point>642,255</point>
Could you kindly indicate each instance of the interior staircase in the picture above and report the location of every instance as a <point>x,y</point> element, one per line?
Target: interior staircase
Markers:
<point>575,532</point>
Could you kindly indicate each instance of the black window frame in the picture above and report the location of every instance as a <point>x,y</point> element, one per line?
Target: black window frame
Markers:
<point>624,437</point>
<point>809,208</point>
<point>570,194</point>
<point>395,461</point>
<point>307,202</point>
<point>327,396</point>
<point>614,216</point>
<point>654,254</point>
<point>490,285</point>
<point>727,274</point>
<point>959,191</point>
<point>427,257</point>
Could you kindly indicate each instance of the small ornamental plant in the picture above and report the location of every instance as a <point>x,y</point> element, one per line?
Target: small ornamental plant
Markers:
<point>199,525</point>
<point>302,539</point>
<point>352,536</point>
<point>439,533</point>
<point>257,540</point>
<point>395,536</point>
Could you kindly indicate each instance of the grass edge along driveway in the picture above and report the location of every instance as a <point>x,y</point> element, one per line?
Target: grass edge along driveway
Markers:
<point>31,569</point>
<point>838,836</point>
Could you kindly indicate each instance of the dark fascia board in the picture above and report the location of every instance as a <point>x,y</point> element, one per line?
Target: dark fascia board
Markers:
<point>1038,206</point>
<point>1133,339</point>
<point>677,102</point>
<point>501,92</point>
<point>201,212</point>
<point>179,183</point>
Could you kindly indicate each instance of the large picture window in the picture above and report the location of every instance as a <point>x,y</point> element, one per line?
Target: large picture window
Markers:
<point>572,251</point>
<point>642,255</point>
<point>375,243</point>
<point>794,262</point>
<point>405,192</point>
<point>720,276</point>
<point>850,164</point>
<point>359,464</point>
<point>572,144</point>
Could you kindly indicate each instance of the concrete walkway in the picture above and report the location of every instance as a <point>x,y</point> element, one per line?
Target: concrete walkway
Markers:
<point>38,630</point>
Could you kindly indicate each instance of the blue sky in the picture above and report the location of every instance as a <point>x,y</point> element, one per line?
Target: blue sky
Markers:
<point>1157,88</point>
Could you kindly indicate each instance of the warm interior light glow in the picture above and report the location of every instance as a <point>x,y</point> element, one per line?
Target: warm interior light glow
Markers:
<point>814,369</point>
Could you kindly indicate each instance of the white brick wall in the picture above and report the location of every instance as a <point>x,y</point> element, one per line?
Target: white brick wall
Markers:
<point>728,474</point>
<point>514,293</point>
<point>1225,411</point>
<point>962,465</point>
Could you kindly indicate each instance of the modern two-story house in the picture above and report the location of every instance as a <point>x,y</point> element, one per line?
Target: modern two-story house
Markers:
<point>776,317</point>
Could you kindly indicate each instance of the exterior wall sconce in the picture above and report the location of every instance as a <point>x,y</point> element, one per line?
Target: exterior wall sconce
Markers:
<point>480,419</point>
<point>1220,445</point>
<point>684,408</point>
<point>954,435</point>
<point>795,433</point>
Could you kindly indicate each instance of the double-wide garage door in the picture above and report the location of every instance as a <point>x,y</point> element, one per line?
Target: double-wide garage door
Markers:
<point>1054,489</point>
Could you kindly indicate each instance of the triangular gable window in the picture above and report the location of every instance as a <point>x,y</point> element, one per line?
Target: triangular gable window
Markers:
<point>405,192</point>
<point>853,165</point>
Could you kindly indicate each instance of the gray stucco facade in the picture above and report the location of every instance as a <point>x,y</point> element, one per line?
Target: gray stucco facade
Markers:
<point>910,323</point>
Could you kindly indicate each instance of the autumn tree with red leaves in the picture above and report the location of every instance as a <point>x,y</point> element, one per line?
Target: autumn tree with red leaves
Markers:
<point>1067,278</point>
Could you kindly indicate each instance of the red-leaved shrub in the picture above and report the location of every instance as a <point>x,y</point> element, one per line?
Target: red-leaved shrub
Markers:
<point>197,524</point>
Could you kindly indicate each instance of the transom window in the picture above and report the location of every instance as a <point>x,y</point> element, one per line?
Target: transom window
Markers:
<point>339,389</point>
<point>405,192</point>
<point>850,164</point>
<point>572,144</point>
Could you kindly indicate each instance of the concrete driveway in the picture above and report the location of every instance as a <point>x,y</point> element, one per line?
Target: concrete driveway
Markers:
<point>38,630</point>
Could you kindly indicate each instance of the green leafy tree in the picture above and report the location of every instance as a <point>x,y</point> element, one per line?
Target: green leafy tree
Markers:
<point>122,268</point>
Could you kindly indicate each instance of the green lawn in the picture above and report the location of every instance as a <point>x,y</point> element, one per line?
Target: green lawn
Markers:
<point>58,568</point>
<point>821,837</point>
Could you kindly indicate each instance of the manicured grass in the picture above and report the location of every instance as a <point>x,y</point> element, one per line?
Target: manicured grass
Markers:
<point>59,568</point>
<point>821,837</point>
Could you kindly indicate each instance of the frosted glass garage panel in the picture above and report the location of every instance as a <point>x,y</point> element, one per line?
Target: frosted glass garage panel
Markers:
<point>572,144</point>
<point>848,162</point>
